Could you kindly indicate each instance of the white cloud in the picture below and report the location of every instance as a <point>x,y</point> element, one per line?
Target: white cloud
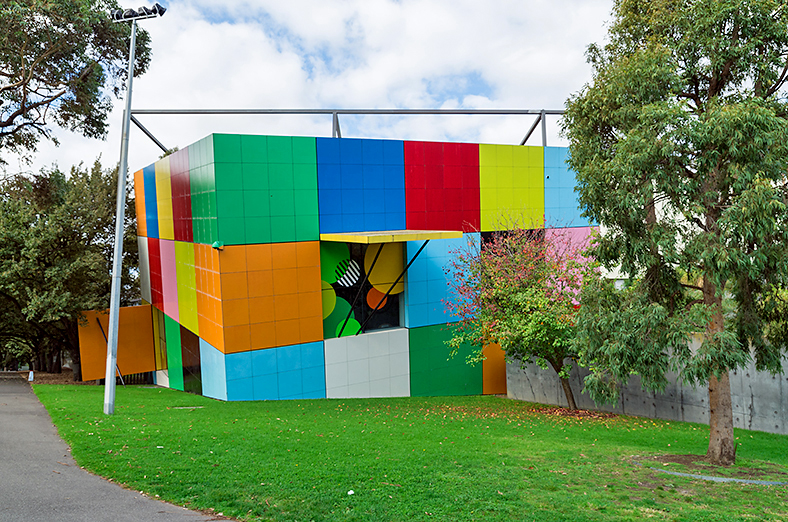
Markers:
<point>352,54</point>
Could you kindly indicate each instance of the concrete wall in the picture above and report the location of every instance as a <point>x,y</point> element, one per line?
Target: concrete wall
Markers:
<point>760,401</point>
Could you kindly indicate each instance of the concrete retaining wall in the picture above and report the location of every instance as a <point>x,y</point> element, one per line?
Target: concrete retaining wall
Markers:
<point>760,401</point>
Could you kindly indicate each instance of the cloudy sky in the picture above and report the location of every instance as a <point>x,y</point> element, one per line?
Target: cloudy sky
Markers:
<point>352,54</point>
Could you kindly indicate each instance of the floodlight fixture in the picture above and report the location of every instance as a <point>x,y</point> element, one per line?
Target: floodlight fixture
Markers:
<point>141,13</point>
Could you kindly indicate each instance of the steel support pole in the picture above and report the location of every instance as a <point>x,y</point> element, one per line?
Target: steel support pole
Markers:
<point>544,129</point>
<point>117,258</point>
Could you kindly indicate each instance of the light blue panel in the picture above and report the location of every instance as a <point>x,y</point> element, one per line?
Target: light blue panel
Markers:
<point>560,201</point>
<point>240,389</point>
<point>264,362</point>
<point>151,204</point>
<point>290,385</point>
<point>312,355</point>
<point>555,156</point>
<point>313,380</point>
<point>427,286</point>
<point>238,365</point>
<point>288,358</point>
<point>266,387</point>
<point>212,372</point>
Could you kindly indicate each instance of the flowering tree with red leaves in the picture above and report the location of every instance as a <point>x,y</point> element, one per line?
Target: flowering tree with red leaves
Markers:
<point>519,289</point>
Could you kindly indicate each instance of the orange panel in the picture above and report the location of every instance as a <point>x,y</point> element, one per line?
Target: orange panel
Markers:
<point>235,312</point>
<point>237,339</point>
<point>311,329</point>
<point>135,342</point>
<point>263,335</point>
<point>493,370</point>
<point>287,332</point>
<point>261,283</point>
<point>233,259</point>
<point>283,255</point>
<point>212,259</point>
<point>310,304</point>
<point>214,284</point>
<point>139,203</point>
<point>309,279</point>
<point>285,281</point>
<point>308,253</point>
<point>286,307</point>
<point>261,309</point>
<point>258,257</point>
<point>234,286</point>
<point>213,336</point>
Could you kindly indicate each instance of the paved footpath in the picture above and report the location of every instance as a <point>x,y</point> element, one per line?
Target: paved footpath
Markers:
<point>40,482</point>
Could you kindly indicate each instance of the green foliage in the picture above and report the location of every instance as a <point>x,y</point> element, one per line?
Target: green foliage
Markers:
<point>680,145</point>
<point>59,59</point>
<point>519,289</point>
<point>56,237</point>
<point>438,458</point>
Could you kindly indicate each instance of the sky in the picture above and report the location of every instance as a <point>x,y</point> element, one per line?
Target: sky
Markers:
<point>350,54</point>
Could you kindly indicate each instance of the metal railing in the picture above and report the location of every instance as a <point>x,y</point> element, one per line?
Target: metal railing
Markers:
<point>541,116</point>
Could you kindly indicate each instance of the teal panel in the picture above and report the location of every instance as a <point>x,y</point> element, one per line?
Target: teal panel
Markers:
<point>172,331</point>
<point>433,372</point>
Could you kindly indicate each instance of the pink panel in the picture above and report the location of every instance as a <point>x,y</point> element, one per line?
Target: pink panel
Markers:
<point>576,238</point>
<point>169,280</point>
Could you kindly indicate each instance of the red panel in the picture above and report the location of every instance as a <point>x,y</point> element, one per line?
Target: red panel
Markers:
<point>435,200</point>
<point>452,199</point>
<point>416,220</point>
<point>452,154</point>
<point>452,176</point>
<point>434,176</point>
<point>414,153</point>
<point>181,193</point>
<point>154,259</point>
<point>433,154</point>
<point>469,154</point>
<point>415,200</point>
<point>415,177</point>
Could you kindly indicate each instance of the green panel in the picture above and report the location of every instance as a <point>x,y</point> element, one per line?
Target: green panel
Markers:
<point>282,203</point>
<point>307,227</point>
<point>331,254</point>
<point>280,176</point>
<point>232,231</point>
<point>208,183</point>
<point>280,149</point>
<point>432,372</point>
<point>210,204</point>
<point>257,230</point>
<point>255,176</point>
<point>195,160</point>
<point>254,149</point>
<point>226,148</point>
<point>305,176</point>
<point>257,203</point>
<point>229,176</point>
<point>305,201</point>
<point>283,229</point>
<point>197,230</point>
<point>174,361</point>
<point>304,150</point>
<point>230,204</point>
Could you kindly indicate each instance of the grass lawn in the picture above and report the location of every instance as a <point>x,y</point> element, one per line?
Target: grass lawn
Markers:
<point>455,458</point>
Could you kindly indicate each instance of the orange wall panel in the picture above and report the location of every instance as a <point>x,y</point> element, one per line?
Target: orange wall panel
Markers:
<point>493,370</point>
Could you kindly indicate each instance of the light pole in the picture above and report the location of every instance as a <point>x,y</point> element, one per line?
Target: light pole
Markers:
<point>120,15</point>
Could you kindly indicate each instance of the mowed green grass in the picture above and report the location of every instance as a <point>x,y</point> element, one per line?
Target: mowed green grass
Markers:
<point>446,458</point>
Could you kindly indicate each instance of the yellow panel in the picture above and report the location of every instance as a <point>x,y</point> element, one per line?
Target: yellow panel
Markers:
<point>164,199</point>
<point>135,342</point>
<point>493,370</point>
<point>187,286</point>
<point>389,236</point>
<point>511,189</point>
<point>487,155</point>
<point>387,269</point>
<point>139,204</point>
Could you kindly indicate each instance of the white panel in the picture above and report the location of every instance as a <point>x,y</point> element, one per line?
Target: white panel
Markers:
<point>399,364</point>
<point>379,368</point>
<point>398,340</point>
<point>162,378</point>
<point>142,248</point>
<point>335,350</point>
<point>340,392</point>
<point>400,386</point>
<point>357,347</point>
<point>380,388</point>
<point>378,343</point>
<point>358,371</point>
<point>360,390</point>
<point>336,375</point>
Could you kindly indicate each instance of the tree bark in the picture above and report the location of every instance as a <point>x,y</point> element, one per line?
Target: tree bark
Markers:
<point>722,444</point>
<point>570,397</point>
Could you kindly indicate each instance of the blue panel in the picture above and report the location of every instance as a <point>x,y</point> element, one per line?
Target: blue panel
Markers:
<point>313,380</point>
<point>266,387</point>
<point>319,394</point>
<point>240,389</point>
<point>394,176</point>
<point>373,202</point>
<point>395,222</point>
<point>327,151</point>
<point>288,358</point>
<point>238,365</point>
<point>350,151</point>
<point>372,152</point>
<point>290,386</point>
<point>375,222</point>
<point>330,201</point>
<point>330,223</point>
<point>212,372</point>
<point>351,177</point>
<point>555,156</point>
<point>393,152</point>
<point>312,355</point>
<point>264,362</point>
<point>151,206</point>
<point>373,177</point>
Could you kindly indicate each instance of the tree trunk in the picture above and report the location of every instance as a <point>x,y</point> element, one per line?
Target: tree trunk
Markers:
<point>570,397</point>
<point>722,444</point>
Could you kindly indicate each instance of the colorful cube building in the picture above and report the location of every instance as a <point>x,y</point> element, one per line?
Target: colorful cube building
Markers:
<point>293,267</point>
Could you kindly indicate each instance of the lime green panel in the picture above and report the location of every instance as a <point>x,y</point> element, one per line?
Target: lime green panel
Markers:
<point>433,372</point>
<point>174,360</point>
<point>164,199</point>
<point>187,292</point>
<point>511,180</point>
